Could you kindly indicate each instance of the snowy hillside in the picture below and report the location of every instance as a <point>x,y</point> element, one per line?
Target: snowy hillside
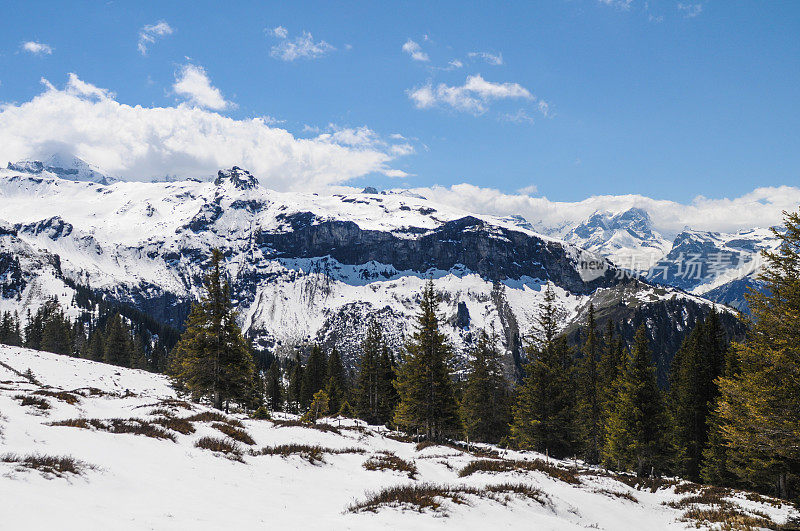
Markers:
<point>304,267</point>
<point>137,466</point>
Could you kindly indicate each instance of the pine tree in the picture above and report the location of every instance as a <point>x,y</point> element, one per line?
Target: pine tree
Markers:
<point>387,394</point>
<point>118,344</point>
<point>591,412</point>
<point>635,433</point>
<point>313,376</point>
<point>10,329</point>
<point>319,407</point>
<point>716,468</point>
<point>212,358</point>
<point>295,385</point>
<point>759,407</point>
<point>545,409</point>
<point>427,402</point>
<point>96,348</point>
<point>367,404</point>
<point>693,391</point>
<point>336,386</point>
<point>274,386</point>
<point>485,407</point>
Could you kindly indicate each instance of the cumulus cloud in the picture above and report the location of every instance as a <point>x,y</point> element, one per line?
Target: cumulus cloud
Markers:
<point>474,96</point>
<point>150,32</point>
<point>141,143</point>
<point>37,48</point>
<point>760,208</point>
<point>490,58</point>
<point>192,83</point>
<point>301,47</point>
<point>415,51</point>
<point>365,138</point>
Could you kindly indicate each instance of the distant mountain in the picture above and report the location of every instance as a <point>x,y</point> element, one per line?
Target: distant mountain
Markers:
<point>313,268</point>
<point>63,166</point>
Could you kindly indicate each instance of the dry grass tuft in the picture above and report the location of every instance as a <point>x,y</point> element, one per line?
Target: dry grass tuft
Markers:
<point>618,494</point>
<point>319,426</point>
<point>64,396</point>
<point>509,465</point>
<point>133,426</point>
<point>218,444</point>
<point>49,465</point>
<point>389,461</point>
<point>213,416</point>
<point>653,484</point>
<point>728,519</point>
<point>237,434</point>
<point>312,453</point>
<point>182,426</point>
<point>35,401</point>
<point>426,496</point>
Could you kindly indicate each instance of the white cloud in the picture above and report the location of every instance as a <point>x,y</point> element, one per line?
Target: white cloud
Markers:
<point>624,5</point>
<point>415,51</point>
<point>528,190</point>
<point>150,32</point>
<point>37,48</point>
<point>455,63</point>
<point>301,47</point>
<point>690,10</point>
<point>518,117</point>
<point>490,58</point>
<point>474,96</point>
<point>193,84</point>
<point>140,143</point>
<point>365,138</point>
<point>760,208</point>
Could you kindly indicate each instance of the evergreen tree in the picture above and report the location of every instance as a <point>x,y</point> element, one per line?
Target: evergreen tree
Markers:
<point>313,376</point>
<point>544,413</point>
<point>635,433</point>
<point>295,385</point>
<point>716,468</point>
<point>319,407</point>
<point>387,394</point>
<point>759,407</point>
<point>367,404</point>
<point>118,344</point>
<point>10,329</point>
<point>158,358</point>
<point>591,421</point>
<point>212,358</point>
<point>427,402</point>
<point>336,387</point>
<point>485,407</point>
<point>274,386</point>
<point>96,348</point>
<point>693,390</point>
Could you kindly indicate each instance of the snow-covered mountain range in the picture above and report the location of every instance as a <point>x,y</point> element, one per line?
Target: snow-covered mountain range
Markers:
<point>306,267</point>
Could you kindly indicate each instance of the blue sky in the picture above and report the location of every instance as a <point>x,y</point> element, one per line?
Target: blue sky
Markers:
<point>574,98</point>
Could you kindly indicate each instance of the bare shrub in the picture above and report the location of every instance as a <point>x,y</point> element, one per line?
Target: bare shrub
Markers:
<point>312,453</point>
<point>213,416</point>
<point>64,396</point>
<point>182,426</point>
<point>218,444</point>
<point>509,465</point>
<point>389,461</point>
<point>47,464</point>
<point>34,401</point>
<point>237,434</point>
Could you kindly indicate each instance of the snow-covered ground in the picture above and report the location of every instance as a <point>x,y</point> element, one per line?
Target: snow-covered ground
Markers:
<point>139,482</point>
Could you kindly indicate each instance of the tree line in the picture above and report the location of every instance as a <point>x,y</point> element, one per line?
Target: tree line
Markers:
<point>729,416</point>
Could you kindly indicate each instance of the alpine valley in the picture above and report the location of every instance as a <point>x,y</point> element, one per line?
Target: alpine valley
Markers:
<point>308,268</point>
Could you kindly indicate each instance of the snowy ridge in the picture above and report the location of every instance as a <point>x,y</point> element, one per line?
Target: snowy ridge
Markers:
<point>172,484</point>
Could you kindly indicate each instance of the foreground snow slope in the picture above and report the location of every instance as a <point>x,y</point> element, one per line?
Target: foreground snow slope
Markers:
<point>141,482</point>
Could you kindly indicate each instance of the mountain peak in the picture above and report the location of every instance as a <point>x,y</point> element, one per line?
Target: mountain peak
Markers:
<point>63,166</point>
<point>239,177</point>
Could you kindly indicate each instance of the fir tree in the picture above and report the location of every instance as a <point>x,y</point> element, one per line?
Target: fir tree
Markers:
<point>367,388</point>
<point>96,347</point>
<point>423,381</point>
<point>759,407</point>
<point>313,376</point>
<point>118,344</point>
<point>295,385</point>
<point>544,413</point>
<point>274,386</point>
<point>336,386</point>
<point>635,433</point>
<point>387,394</point>
<point>591,421</point>
<point>319,407</point>
<point>212,358</point>
<point>485,407</point>
<point>716,467</point>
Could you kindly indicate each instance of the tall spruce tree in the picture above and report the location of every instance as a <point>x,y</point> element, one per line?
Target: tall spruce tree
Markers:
<point>591,412</point>
<point>635,432</point>
<point>716,467</point>
<point>427,402</point>
<point>118,344</point>
<point>545,408</point>
<point>313,376</point>
<point>274,386</point>
<point>692,393</point>
<point>485,406</point>
<point>212,358</point>
<point>295,385</point>
<point>388,397</point>
<point>336,386</point>
<point>759,407</point>
<point>367,391</point>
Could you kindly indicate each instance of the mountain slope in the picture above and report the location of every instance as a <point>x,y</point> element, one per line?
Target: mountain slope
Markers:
<point>160,479</point>
<point>306,267</point>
